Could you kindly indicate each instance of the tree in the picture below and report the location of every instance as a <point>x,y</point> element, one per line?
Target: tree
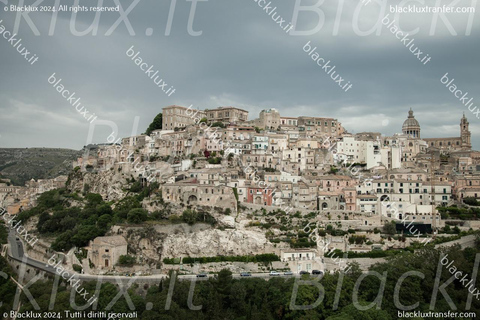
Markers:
<point>218,124</point>
<point>189,216</point>
<point>126,260</point>
<point>137,215</point>
<point>471,201</point>
<point>155,125</point>
<point>390,228</point>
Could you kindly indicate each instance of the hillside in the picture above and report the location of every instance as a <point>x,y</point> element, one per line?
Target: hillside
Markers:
<point>22,164</point>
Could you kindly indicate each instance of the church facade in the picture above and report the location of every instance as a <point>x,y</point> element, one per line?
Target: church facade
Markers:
<point>411,127</point>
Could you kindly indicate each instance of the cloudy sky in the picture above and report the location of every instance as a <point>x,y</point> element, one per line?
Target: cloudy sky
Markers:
<point>242,58</point>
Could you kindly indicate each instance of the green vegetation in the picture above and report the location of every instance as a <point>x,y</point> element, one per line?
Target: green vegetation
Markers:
<point>368,254</point>
<point>215,160</point>
<point>76,226</point>
<point>3,232</point>
<point>225,297</point>
<point>137,216</point>
<point>333,170</point>
<point>155,125</point>
<point>357,239</point>
<point>77,268</point>
<point>471,201</point>
<point>390,228</point>
<point>23,164</point>
<point>218,124</point>
<point>126,260</point>
<point>459,213</point>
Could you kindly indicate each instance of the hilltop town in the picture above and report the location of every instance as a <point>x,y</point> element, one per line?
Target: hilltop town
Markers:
<point>214,189</point>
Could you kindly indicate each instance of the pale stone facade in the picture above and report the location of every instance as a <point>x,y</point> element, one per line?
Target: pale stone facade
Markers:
<point>226,115</point>
<point>179,117</point>
<point>105,251</point>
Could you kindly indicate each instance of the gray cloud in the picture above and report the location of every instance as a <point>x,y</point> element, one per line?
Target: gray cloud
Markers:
<point>243,58</point>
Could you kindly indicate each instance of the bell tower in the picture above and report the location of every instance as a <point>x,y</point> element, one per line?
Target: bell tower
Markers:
<point>465,134</point>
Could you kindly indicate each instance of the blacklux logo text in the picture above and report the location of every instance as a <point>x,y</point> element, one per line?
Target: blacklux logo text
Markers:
<point>406,41</point>
<point>278,19</point>
<point>71,279</point>
<point>17,226</point>
<point>465,281</point>
<point>327,67</point>
<point>15,42</point>
<point>150,72</point>
<point>70,98</point>
<point>463,97</point>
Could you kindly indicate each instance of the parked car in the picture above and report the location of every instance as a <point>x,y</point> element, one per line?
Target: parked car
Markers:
<point>304,272</point>
<point>288,273</point>
<point>317,272</point>
<point>274,273</point>
<point>202,275</point>
<point>245,274</point>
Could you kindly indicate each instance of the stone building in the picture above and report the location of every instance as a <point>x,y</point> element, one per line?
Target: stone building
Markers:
<point>105,251</point>
<point>411,127</point>
<point>226,115</point>
<point>327,127</point>
<point>179,117</point>
<point>191,193</point>
<point>268,119</point>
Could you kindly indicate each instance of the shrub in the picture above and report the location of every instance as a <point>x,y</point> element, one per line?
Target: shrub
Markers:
<point>77,268</point>
<point>126,260</point>
<point>137,215</point>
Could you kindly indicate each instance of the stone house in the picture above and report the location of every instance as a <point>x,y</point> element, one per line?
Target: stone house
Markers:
<point>105,251</point>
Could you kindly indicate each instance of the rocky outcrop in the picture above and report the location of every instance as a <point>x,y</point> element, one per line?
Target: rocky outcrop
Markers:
<point>109,184</point>
<point>215,242</point>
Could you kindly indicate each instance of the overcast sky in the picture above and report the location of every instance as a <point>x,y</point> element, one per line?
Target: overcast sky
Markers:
<point>242,58</point>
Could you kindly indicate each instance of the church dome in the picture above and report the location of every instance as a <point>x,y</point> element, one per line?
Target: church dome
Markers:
<point>411,125</point>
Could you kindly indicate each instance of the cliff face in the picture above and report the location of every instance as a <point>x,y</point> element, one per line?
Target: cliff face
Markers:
<point>215,242</point>
<point>109,184</point>
<point>151,244</point>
